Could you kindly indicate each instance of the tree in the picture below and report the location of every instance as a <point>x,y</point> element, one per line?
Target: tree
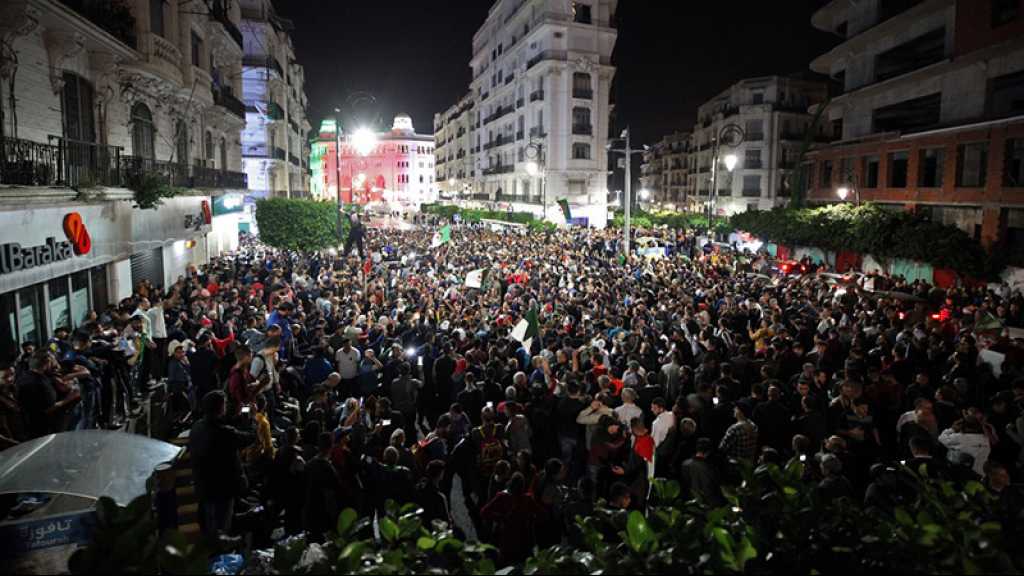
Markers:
<point>303,225</point>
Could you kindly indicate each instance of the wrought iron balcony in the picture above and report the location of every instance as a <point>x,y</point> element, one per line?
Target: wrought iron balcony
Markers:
<point>136,168</point>
<point>203,177</point>
<point>582,129</point>
<point>225,98</point>
<point>61,162</point>
<point>536,95</point>
<point>220,14</point>
<point>113,16</point>
<point>584,94</point>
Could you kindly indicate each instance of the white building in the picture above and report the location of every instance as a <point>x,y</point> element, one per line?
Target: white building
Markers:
<point>453,149</point>
<point>665,171</point>
<point>276,138</point>
<point>772,113</point>
<point>110,97</point>
<point>541,79</point>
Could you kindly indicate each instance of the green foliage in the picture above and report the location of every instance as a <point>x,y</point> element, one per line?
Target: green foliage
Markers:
<point>151,190</point>
<point>868,229</point>
<point>672,220</point>
<point>126,541</point>
<point>476,215</point>
<point>293,224</point>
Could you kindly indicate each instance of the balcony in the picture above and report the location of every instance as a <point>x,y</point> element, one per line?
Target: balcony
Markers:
<point>203,177</point>
<point>271,109</point>
<point>221,15</point>
<point>506,169</point>
<point>226,99</point>
<point>112,16</point>
<point>537,132</point>
<point>583,94</point>
<point>582,129</point>
<point>537,96</point>
<point>520,102</point>
<point>546,55</point>
<point>267,62</point>
<point>60,162</point>
<point>508,79</point>
<point>136,168</point>
<point>294,159</point>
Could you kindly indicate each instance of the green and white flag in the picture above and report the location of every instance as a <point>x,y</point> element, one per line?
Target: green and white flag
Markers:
<point>564,205</point>
<point>442,236</point>
<point>527,328</point>
<point>475,279</point>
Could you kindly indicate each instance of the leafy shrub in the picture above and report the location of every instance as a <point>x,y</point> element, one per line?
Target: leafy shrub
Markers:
<point>295,224</point>
<point>150,191</point>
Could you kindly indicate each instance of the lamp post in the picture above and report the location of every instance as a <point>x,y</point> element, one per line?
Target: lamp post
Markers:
<point>352,102</point>
<point>628,200</point>
<point>735,137</point>
<point>851,186</point>
<point>536,167</point>
<point>337,168</point>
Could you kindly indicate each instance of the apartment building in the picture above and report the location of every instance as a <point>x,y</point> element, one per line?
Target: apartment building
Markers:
<point>931,118</point>
<point>772,114</point>
<point>453,150</point>
<point>665,171</point>
<point>276,137</point>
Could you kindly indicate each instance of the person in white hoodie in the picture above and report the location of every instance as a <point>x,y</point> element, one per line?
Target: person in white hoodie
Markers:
<point>967,436</point>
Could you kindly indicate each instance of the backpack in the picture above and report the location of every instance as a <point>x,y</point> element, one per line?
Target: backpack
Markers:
<point>421,451</point>
<point>491,450</point>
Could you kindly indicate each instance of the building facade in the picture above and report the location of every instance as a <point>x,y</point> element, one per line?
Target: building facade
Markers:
<point>539,120</point>
<point>276,137</point>
<point>453,150</point>
<point>772,112</point>
<point>931,116</point>
<point>398,172</point>
<point>110,98</point>
<point>665,171</point>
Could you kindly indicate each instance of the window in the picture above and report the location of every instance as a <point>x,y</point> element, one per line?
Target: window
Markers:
<point>76,98</point>
<point>142,131</point>
<point>581,13</point>
<point>1004,12</point>
<point>581,151</point>
<point>909,114</point>
<point>846,173</point>
<point>898,162</point>
<point>208,146</point>
<point>1013,167</point>
<point>156,16</point>
<point>929,168</point>
<point>752,159</point>
<point>421,178</point>
<point>30,314</point>
<point>59,309</point>
<point>581,116</point>
<point>197,50</point>
<point>1006,95</point>
<point>223,154</point>
<point>909,56</point>
<point>581,85</point>
<point>757,97</point>
<point>181,142</point>
<point>971,164</point>
<point>754,130</point>
<point>752,185</point>
<point>870,169</point>
<point>826,174</point>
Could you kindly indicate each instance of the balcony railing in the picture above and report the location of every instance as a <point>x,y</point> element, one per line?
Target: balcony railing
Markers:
<point>203,177</point>
<point>506,169</point>
<point>294,159</point>
<point>136,168</point>
<point>221,15</point>
<point>537,132</point>
<point>537,95</point>
<point>546,55</point>
<point>225,98</point>
<point>263,62</point>
<point>752,164</point>
<point>113,16</point>
<point>61,162</point>
<point>583,129</point>
<point>754,136</point>
<point>583,94</point>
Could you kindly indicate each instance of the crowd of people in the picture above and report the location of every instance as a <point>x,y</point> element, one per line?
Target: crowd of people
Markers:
<point>315,382</point>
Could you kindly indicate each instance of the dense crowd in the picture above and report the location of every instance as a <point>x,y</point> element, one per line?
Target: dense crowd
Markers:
<point>317,382</point>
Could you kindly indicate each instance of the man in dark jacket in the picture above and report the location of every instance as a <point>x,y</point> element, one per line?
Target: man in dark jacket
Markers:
<point>356,232</point>
<point>215,448</point>
<point>699,478</point>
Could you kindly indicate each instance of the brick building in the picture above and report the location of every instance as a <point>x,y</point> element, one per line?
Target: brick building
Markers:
<point>931,117</point>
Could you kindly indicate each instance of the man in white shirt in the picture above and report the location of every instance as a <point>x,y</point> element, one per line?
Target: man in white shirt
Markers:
<point>629,409</point>
<point>664,420</point>
<point>967,436</point>
<point>347,359</point>
<point>158,333</point>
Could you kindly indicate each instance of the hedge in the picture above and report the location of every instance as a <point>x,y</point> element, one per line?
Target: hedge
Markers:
<point>673,220</point>
<point>296,224</point>
<point>477,214</point>
<point>868,229</point>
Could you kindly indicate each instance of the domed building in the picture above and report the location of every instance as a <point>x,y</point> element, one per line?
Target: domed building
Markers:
<point>396,172</point>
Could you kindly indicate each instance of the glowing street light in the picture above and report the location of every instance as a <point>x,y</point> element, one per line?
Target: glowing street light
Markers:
<point>364,140</point>
<point>645,194</point>
<point>532,168</point>
<point>842,192</point>
<point>730,161</point>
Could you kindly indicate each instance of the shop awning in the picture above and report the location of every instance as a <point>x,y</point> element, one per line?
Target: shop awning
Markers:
<point>88,463</point>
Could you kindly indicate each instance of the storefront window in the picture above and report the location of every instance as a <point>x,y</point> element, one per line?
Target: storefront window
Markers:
<point>8,327</point>
<point>98,275</point>
<point>30,313</point>
<point>79,297</point>
<point>60,311</point>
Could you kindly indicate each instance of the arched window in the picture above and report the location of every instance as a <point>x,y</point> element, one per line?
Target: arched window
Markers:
<point>181,142</point>
<point>77,99</point>
<point>208,144</point>
<point>223,153</point>
<point>142,132</point>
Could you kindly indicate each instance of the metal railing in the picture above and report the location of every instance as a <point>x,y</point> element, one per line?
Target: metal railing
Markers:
<point>263,62</point>
<point>203,177</point>
<point>220,14</point>
<point>583,129</point>
<point>537,132</point>
<point>137,168</point>
<point>224,97</point>
<point>536,95</point>
<point>546,55</point>
<point>113,17</point>
<point>61,162</point>
<point>583,94</point>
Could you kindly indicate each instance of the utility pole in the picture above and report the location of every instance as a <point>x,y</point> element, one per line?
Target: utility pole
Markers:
<point>337,167</point>
<point>629,198</point>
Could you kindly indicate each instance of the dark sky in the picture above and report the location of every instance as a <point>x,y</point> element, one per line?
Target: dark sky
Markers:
<point>671,55</point>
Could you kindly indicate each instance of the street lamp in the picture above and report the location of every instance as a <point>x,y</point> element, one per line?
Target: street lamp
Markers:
<point>645,194</point>
<point>364,141</point>
<point>733,136</point>
<point>535,167</point>
<point>352,102</point>
<point>628,200</point>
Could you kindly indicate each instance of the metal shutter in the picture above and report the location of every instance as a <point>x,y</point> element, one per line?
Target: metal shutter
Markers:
<point>148,265</point>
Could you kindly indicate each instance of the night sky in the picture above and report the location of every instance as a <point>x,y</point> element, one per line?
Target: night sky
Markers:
<point>671,55</point>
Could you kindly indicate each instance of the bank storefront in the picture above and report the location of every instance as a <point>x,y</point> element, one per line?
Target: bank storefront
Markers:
<point>58,260</point>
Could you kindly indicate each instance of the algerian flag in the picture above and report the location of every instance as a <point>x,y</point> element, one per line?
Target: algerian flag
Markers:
<point>442,236</point>
<point>527,328</point>
<point>475,279</point>
<point>564,205</point>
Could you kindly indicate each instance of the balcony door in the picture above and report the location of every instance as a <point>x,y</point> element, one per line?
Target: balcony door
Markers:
<point>78,153</point>
<point>143,132</point>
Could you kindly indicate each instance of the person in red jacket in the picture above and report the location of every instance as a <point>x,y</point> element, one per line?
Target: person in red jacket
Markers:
<point>515,516</point>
